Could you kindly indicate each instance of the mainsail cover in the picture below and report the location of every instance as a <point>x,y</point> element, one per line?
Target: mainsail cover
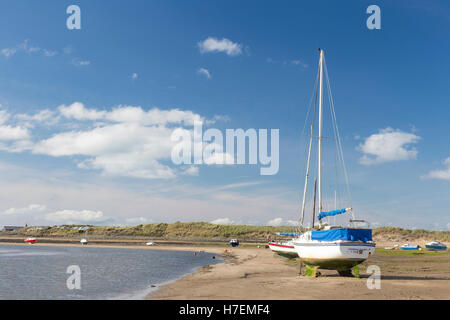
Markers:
<point>332,213</point>
<point>349,234</point>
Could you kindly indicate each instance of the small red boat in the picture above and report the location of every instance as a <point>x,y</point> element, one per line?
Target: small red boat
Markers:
<point>30,240</point>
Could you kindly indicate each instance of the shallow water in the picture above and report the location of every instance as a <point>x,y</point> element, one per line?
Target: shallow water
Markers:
<point>40,272</point>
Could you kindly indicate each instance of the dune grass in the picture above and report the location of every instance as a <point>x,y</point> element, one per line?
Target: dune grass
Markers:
<point>210,231</point>
<point>411,234</point>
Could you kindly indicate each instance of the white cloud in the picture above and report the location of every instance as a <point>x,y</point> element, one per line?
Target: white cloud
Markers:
<point>443,174</point>
<point>75,217</point>
<point>448,225</point>
<point>47,116</point>
<point>388,145</point>
<point>32,208</point>
<point>275,222</point>
<point>8,133</point>
<point>77,111</point>
<point>127,149</point>
<point>292,223</point>
<point>80,63</point>
<point>299,63</point>
<point>133,142</point>
<point>130,114</point>
<point>8,52</point>
<point>212,44</point>
<point>138,220</point>
<point>204,72</point>
<point>134,76</point>
<point>125,141</point>
<point>25,47</point>
<point>4,116</point>
<point>191,171</point>
<point>281,222</point>
<point>223,221</point>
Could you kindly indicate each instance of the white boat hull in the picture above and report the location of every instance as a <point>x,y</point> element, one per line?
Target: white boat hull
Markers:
<point>334,255</point>
<point>284,249</point>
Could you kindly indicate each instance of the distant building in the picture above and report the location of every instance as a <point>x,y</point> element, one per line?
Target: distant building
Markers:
<point>11,228</point>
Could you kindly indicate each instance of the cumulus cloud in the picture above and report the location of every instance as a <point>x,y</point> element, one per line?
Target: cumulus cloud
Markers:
<point>45,116</point>
<point>281,222</point>
<point>191,171</point>
<point>134,76</point>
<point>275,222</point>
<point>127,149</point>
<point>77,111</point>
<point>388,145</point>
<point>227,46</point>
<point>138,220</point>
<point>15,137</point>
<point>8,133</point>
<point>124,141</point>
<point>76,217</point>
<point>223,221</point>
<point>32,208</point>
<point>130,114</point>
<point>204,72</point>
<point>443,174</point>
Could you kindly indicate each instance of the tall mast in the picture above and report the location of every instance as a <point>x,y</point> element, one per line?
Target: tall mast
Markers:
<point>306,178</point>
<point>314,205</point>
<point>319,176</point>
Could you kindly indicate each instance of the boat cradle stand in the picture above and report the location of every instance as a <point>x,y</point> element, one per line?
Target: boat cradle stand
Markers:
<point>312,271</point>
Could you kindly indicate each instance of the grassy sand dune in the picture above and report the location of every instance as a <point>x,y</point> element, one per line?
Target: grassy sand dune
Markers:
<point>210,231</point>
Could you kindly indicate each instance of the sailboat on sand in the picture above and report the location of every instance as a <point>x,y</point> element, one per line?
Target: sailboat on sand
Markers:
<point>284,248</point>
<point>329,246</point>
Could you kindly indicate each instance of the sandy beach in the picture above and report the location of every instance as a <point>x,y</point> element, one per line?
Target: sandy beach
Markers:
<point>257,273</point>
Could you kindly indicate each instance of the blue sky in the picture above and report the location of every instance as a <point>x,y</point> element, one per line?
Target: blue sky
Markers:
<point>390,90</point>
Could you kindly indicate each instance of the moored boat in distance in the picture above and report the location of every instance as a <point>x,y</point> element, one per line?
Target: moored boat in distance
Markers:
<point>408,246</point>
<point>83,241</point>
<point>436,246</point>
<point>30,240</point>
<point>391,247</point>
<point>234,242</point>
